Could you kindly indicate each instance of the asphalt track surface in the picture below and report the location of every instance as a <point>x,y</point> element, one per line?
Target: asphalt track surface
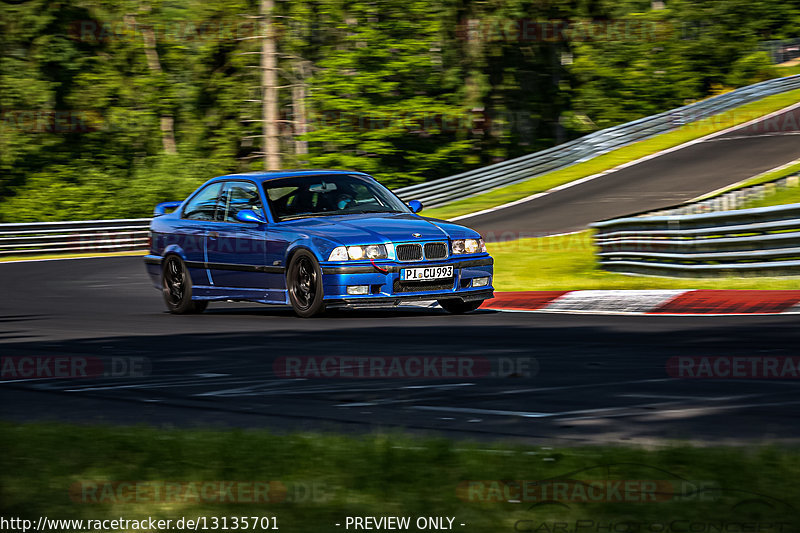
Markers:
<point>669,179</point>
<point>593,379</point>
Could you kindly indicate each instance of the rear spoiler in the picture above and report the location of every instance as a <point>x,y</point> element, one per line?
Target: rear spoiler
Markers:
<point>161,209</point>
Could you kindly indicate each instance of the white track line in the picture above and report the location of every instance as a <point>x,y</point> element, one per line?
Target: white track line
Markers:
<point>604,412</point>
<point>587,385</point>
<point>738,184</point>
<point>740,137</point>
<point>689,409</point>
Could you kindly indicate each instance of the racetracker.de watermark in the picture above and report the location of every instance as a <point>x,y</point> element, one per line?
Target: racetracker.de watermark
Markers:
<point>584,491</point>
<point>179,31</point>
<point>75,121</point>
<point>61,121</point>
<point>492,29</point>
<point>408,121</point>
<point>733,367</point>
<point>413,121</point>
<point>72,367</point>
<point>625,490</point>
<point>403,367</point>
<point>206,492</point>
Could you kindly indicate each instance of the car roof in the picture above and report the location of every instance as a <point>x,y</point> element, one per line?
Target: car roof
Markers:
<point>267,175</point>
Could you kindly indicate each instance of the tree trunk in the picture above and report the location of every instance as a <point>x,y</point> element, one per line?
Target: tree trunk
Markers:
<point>154,64</point>
<point>269,89</point>
<point>299,108</point>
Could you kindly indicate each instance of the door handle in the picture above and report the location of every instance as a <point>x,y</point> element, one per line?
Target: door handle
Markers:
<point>213,235</point>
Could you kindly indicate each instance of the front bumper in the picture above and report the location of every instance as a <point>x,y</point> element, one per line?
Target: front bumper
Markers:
<point>386,288</point>
<point>352,301</point>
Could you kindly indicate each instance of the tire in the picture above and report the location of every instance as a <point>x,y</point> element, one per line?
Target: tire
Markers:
<point>177,287</point>
<point>459,307</point>
<point>304,284</point>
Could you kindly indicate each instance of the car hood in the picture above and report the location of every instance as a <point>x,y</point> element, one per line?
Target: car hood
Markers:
<point>380,228</point>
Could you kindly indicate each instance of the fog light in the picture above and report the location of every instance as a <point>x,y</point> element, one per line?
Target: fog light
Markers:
<point>358,289</point>
<point>480,282</point>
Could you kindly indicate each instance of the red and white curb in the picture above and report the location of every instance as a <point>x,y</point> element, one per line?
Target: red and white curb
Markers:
<point>655,302</point>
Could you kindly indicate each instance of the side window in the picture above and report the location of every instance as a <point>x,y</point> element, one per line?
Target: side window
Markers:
<point>204,205</point>
<point>239,195</point>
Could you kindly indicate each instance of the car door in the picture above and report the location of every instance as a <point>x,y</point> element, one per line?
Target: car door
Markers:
<point>236,250</point>
<point>189,233</point>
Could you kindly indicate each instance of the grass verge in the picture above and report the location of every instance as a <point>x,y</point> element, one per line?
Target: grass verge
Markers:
<point>790,69</point>
<point>568,262</point>
<point>67,256</point>
<point>618,157</point>
<point>785,196</point>
<point>46,468</point>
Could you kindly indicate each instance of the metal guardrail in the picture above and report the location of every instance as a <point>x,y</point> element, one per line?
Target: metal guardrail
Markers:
<point>92,236</point>
<point>87,236</point>
<point>763,241</point>
<point>485,179</point>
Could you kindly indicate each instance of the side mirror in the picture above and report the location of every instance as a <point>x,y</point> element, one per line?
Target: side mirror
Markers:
<point>415,205</point>
<point>161,209</point>
<point>248,215</point>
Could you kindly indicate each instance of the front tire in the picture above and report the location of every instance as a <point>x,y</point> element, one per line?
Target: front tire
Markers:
<point>177,288</point>
<point>459,307</point>
<point>304,282</point>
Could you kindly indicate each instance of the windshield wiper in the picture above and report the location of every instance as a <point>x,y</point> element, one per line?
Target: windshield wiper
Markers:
<point>337,214</point>
<point>304,215</point>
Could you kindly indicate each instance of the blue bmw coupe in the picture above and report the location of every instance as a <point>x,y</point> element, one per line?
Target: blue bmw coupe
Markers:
<point>314,239</point>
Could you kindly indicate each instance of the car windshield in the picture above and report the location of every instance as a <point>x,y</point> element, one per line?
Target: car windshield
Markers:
<point>326,195</point>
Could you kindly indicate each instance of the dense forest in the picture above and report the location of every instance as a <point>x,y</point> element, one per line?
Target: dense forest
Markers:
<point>111,106</point>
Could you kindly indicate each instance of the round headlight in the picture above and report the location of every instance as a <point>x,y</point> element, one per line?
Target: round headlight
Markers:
<point>458,247</point>
<point>355,252</point>
<point>375,251</point>
<point>471,246</point>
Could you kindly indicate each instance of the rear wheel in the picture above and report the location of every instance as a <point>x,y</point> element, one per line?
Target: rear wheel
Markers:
<point>459,307</point>
<point>304,281</point>
<point>177,287</point>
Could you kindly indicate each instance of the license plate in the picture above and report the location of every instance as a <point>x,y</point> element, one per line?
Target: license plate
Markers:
<point>426,273</point>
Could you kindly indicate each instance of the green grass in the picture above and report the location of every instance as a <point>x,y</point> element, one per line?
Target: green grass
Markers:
<point>618,157</point>
<point>789,70</point>
<point>568,262</point>
<point>784,196</point>
<point>382,475</point>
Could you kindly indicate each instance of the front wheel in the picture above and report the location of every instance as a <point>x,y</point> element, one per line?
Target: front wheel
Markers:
<point>177,288</point>
<point>459,307</point>
<point>304,281</point>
